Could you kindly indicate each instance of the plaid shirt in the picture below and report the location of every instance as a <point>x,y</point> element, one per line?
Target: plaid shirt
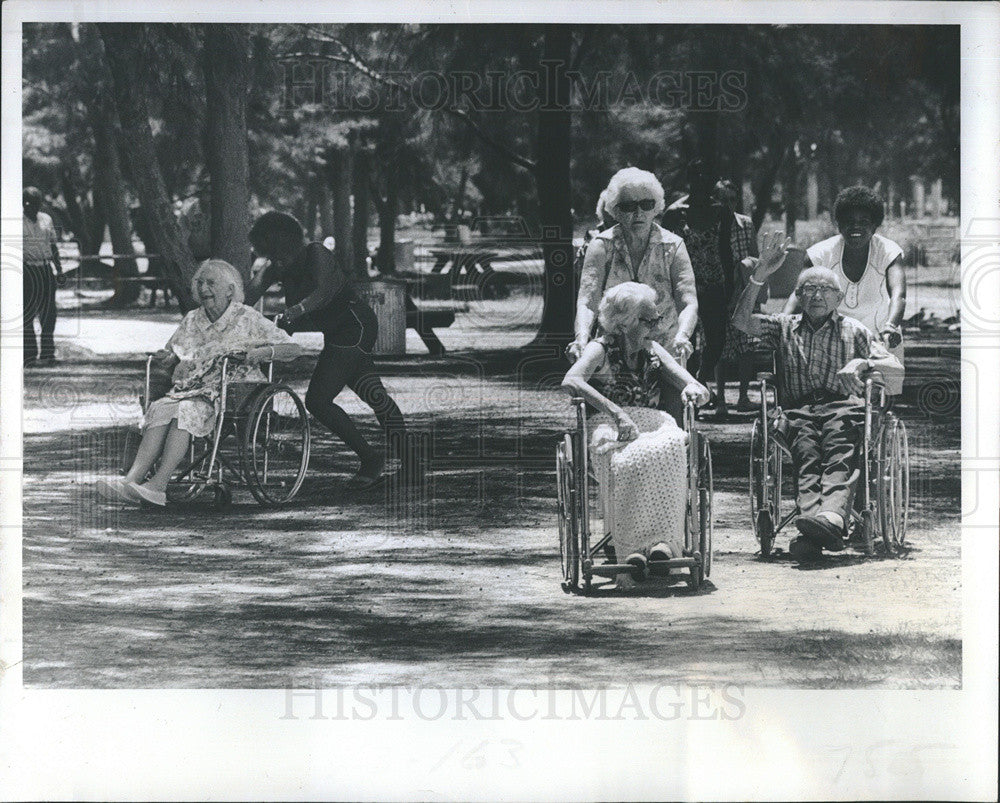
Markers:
<point>742,240</point>
<point>809,359</point>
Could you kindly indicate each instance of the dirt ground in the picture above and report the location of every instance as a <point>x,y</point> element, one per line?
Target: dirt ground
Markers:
<point>455,583</point>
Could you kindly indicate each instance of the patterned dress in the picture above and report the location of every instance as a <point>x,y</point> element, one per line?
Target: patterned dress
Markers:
<point>642,483</point>
<point>665,266</point>
<point>200,344</point>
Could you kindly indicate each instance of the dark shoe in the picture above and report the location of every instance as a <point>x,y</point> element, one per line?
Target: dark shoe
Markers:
<point>804,551</point>
<point>820,531</point>
<point>660,552</point>
<point>362,482</point>
<point>640,568</point>
<point>746,406</point>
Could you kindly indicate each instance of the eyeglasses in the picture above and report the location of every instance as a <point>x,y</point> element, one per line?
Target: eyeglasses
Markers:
<point>817,290</point>
<point>651,321</point>
<point>630,206</point>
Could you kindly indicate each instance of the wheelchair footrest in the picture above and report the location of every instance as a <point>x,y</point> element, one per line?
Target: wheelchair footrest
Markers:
<point>656,567</point>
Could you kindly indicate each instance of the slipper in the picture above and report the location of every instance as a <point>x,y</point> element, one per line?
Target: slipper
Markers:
<point>114,489</point>
<point>147,495</point>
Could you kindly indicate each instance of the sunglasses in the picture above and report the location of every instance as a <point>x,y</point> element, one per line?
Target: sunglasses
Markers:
<point>630,206</point>
<point>816,289</point>
<point>651,321</point>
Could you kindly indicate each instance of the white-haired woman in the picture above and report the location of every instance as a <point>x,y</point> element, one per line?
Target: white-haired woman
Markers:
<point>636,249</point>
<point>638,450</point>
<point>221,325</point>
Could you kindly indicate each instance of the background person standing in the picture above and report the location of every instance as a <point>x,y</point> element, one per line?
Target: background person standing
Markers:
<point>41,255</point>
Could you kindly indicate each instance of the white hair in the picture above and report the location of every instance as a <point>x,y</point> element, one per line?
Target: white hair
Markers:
<point>633,177</point>
<point>620,307</point>
<point>222,270</point>
<point>819,272</point>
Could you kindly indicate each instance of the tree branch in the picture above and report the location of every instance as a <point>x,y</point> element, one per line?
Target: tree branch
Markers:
<point>355,63</point>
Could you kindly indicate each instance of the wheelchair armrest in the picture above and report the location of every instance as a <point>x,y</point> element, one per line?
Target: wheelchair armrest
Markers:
<point>765,376</point>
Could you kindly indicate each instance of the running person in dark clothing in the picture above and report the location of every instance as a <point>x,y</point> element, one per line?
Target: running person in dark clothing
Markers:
<point>319,297</point>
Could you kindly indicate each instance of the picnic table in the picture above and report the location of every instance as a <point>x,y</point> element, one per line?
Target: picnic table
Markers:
<point>469,271</point>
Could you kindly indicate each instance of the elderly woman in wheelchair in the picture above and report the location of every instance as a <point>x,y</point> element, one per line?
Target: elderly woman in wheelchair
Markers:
<point>640,455</point>
<point>827,373</point>
<point>221,335</point>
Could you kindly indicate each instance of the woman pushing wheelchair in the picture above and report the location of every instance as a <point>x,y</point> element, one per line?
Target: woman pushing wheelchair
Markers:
<point>638,450</point>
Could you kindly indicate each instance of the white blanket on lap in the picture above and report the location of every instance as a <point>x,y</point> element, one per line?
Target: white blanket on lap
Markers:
<point>642,483</point>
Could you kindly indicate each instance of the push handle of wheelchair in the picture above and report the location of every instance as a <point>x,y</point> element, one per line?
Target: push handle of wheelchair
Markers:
<point>875,391</point>
<point>690,415</point>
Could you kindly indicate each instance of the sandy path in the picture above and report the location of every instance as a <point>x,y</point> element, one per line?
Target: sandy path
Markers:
<point>456,584</point>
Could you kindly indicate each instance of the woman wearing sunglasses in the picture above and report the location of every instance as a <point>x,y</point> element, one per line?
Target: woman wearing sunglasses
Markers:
<point>636,249</point>
<point>637,450</point>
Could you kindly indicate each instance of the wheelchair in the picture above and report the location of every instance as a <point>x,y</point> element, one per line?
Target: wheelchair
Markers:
<point>882,499</point>
<point>577,497</point>
<point>260,442</point>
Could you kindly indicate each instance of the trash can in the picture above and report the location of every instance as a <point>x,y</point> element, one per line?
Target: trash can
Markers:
<point>404,255</point>
<point>387,298</point>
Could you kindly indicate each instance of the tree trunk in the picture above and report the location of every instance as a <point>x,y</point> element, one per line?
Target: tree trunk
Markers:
<point>110,185</point>
<point>312,204</point>
<point>81,223</point>
<point>362,200</point>
<point>762,188</point>
<point>553,181</point>
<point>340,184</point>
<point>325,208</point>
<point>226,80</point>
<point>123,48</point>
<point>791,191</point>
<point>387,211</point>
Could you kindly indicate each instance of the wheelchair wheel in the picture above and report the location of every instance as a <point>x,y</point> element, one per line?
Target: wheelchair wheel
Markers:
<point>893,486</point>
<point>569,539</point>
<point>867,526</point>
<point>275,447</point>
<point>705,491</point>
<point>765,488</point>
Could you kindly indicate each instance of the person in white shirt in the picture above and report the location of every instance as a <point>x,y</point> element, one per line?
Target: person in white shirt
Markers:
<point>869,267</point>
<point>41,257</point>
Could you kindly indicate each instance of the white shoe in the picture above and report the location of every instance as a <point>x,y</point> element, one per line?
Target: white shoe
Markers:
<point>114,489</point>
<point>144,494</point>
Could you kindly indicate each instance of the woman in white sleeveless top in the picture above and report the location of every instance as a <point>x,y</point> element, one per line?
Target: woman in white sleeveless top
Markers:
<point>870,268</point>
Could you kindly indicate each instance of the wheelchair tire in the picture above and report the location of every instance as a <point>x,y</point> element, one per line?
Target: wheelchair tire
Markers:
<point>705,493</point>
<point>274,451</point>
<point>765,488</point>
<point>569,533</point>
<point>868,532</point>
<point>893,486</point>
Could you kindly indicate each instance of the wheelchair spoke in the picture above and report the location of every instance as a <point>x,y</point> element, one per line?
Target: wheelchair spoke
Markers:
<point>275,451</point>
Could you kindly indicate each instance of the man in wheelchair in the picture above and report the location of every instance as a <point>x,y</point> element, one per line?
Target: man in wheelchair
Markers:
<point>823,359</point>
